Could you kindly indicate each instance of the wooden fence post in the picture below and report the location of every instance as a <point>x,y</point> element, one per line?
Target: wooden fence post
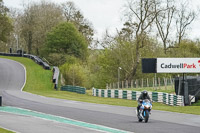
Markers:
<point>165,83</point>
<point>136,83</point>
<point>131,84</point>
<point>118,85</point>
<point>142,83</point>
<point>159,82</point>
<point>171,80</point>
<point>156,84</point>
<point>153,83</point>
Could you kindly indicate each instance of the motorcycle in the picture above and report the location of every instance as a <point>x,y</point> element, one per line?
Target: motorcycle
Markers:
<point>144,110</point>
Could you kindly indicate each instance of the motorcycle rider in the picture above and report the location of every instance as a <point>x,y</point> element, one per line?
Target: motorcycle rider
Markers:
<point>144,95</point>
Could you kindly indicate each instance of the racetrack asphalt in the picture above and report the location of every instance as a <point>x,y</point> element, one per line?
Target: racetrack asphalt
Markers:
<point>12,76</point>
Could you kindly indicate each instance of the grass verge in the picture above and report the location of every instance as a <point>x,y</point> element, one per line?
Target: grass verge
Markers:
<point>5,131</point>
<point>39,82</point>
<point>38,79</point>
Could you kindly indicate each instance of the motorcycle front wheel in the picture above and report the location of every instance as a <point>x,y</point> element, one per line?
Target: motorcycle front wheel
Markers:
<point>146,118</point>
<point>139,120</point>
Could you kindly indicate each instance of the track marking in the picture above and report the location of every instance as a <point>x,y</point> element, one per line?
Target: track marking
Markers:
<point>24,74</point>
<point>26,112</point>
<point>24,70</point>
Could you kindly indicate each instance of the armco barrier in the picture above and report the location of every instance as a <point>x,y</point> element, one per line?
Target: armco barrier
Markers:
<point>76,89</point>
<point>56,73</point>
<point>169,99</point>
<point>33,57</point>
<point>38,61</point>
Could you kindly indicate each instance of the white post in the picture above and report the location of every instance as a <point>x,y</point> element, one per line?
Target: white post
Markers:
<point>119,68</point>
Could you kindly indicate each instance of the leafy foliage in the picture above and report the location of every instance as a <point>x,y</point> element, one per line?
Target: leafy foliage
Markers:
<point>186,48</point>
<point>35,22</point>
<point>65,39</point>
<point>62,35</point>
<point>5,23</point>
<point>75,73</point>
<point>73,14</point>
<point>56,59</point>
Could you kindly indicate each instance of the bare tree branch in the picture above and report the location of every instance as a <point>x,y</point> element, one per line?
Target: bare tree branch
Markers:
<point>164,20</point>
<point>184,19</point>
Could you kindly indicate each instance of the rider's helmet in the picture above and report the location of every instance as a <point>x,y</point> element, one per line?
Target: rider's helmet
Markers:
<point>145,93</point>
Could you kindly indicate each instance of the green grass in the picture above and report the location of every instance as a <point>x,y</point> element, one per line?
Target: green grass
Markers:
<point>5,131</point>
<point>38,79</point>
<point>39,82</point>
<point>196,104</point>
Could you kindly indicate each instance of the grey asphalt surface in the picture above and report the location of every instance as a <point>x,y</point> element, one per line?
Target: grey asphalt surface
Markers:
<point>123,118</point>
<point>28,124</point>
<point>12,75</point>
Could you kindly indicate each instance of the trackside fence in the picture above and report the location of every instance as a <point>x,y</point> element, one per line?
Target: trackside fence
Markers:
<point>166,98</point>
<point>156,83</point>
<point>77,89</point>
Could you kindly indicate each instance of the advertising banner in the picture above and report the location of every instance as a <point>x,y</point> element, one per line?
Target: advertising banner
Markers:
<point>178,65</point>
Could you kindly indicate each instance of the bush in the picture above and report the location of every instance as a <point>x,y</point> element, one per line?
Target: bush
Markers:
<point>75,74</point>
<point>56,59</point>
<point>66,39</point>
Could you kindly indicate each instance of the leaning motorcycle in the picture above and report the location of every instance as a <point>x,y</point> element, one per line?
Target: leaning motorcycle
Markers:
<point>144,111</point>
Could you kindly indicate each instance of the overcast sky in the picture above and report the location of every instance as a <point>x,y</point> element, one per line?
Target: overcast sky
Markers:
<point>105,14</point>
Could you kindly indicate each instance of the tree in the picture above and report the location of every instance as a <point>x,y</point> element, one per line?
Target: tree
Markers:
<point>36,20</point>
<point>73,15</point>
<point>184,18</point>
<point>187,48</point>
<point>75,74</point>
<point>26,26</point>
<point>65,38</point>
<point>141,15</point>
<point>5,23</point>
<point>164,21</point>
<point>121,53</point>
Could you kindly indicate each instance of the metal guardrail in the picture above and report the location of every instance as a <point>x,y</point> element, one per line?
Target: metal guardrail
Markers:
<point>33,57</point>
<point>38,61</point>
<point>56,73</point>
